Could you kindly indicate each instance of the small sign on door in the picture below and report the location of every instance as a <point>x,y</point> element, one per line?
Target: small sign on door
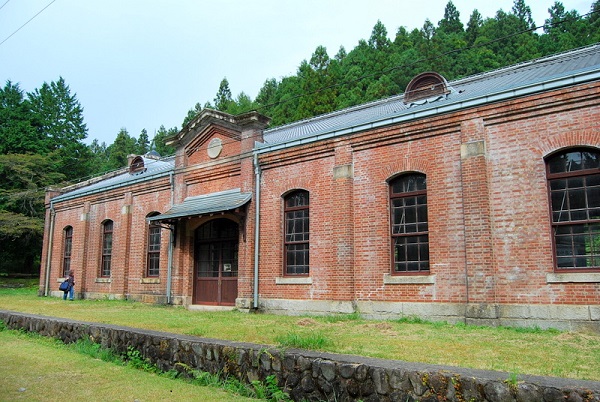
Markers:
<point>226,267</point>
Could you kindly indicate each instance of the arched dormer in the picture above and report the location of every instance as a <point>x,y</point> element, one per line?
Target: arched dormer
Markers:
<point>137,165</point>
<point>424,86</point>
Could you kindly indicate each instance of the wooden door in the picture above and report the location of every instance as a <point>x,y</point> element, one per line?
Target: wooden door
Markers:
<point>216,255</point>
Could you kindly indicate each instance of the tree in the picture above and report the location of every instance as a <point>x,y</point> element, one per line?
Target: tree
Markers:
<point>158,142</point>
<point>379,39</point>
<point>266,98</point>
<point>564,30</point>
<point>473,27</point>
<point>99,157</point>
<point>593,22</point>
<point>242,104</point>
<point>142,145</point>
<point>24,179</point>
<point>192,113</point>
<point>523,13</point>
<point>223,98</point>
<point>118,151</point>
<point>60,114</point>
<point>451,24</point>
<point>18,132</point>
<point>61,127</point>
<point>318,94</point>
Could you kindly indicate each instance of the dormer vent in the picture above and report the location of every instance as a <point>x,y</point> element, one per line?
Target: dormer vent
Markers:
<point>137,166</point>
<point>424,86</point>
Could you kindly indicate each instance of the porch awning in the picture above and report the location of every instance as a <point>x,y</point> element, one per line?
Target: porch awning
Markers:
<point>205,204</point>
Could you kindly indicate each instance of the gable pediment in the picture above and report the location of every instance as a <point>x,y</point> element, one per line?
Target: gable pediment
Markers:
<point>202,139</point>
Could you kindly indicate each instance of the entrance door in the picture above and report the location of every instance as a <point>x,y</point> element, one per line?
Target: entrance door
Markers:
<point>216,254</point>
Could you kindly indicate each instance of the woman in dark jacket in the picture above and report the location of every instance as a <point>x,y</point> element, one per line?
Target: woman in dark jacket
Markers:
<point>71,290</point>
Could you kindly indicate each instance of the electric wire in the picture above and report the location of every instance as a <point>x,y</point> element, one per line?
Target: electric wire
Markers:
<point>404,65</point>
<point>5,3</point>
<point>372,75</point>
<point>28,21</point>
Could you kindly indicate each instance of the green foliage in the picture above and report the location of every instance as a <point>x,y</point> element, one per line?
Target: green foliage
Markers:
<point>142,145</point>
<point>223,99</point>
<point>340,317</point>
<point>312,340</point>
<point>158,142</point>
<point>17,122</point>
<point>135,359</point>
<point>96,351</point>
<point>411,319</point>
<point>24,179</point>
<point>270,391</point>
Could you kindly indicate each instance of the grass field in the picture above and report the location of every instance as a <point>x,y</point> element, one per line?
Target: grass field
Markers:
<point>41,369</point>
<point>515,351</point>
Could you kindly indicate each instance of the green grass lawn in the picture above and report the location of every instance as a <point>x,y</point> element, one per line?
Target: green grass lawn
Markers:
<point>516,351</point>
<point>40,369</point>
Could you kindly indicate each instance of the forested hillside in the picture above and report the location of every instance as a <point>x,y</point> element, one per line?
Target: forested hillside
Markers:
<point>42,133</point>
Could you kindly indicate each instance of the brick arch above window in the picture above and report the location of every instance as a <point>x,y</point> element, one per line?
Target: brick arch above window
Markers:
<point>288,192</point>
<point>404,173</point>
<point>404,166</point>
<point>562,141</point>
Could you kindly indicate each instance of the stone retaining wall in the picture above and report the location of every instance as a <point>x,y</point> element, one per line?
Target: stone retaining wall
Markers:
<point>314,376</point>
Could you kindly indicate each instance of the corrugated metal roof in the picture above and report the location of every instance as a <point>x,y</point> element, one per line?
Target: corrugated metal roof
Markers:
<point>361,117</point>
<point>153,169</point>
<point>206,204</point>
<point>489,83</point>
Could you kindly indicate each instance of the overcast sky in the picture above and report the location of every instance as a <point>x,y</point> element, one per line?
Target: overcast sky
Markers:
<point>142,63</point>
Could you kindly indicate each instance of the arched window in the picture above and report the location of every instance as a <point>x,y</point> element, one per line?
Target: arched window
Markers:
<point>410,238</point>
<point>107,241</point>
<point>153,253</point>
<point>67,248</point>
<point>296,233</point>
<point>574,186</point>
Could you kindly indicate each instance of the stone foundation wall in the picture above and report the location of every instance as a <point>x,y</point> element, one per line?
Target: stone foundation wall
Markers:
<point>314,376</point>
<point>559,316</point>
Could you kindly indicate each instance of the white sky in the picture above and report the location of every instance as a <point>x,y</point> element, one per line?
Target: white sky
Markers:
<point>142,63</point>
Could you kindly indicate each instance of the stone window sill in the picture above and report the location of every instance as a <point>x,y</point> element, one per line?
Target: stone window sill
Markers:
<point>389,279</point>
<point>150,280</point>
<point>305,280</point>
<point>579,277</point>
<point>103,280</point>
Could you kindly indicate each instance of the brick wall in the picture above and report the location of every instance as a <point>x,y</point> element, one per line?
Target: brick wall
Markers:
<point>489,227</point>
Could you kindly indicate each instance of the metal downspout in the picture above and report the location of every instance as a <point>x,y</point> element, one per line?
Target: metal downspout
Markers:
<point>170,263</point>
<point>171,243</point>
<point>49,253</point>
<point>257,174</point>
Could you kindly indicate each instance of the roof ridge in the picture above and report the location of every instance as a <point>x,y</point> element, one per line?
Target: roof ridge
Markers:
<point>573,53</point>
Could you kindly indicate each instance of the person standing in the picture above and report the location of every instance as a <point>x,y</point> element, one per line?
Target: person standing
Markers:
<point>71,290</point>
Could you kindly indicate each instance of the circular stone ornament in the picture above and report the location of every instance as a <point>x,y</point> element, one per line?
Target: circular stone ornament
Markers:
<point>215,146</point>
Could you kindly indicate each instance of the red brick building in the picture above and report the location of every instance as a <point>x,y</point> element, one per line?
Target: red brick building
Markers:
<point>475,200</point>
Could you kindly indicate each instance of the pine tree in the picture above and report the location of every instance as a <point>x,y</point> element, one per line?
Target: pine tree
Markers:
<point>223,98</point>
<point>18,123</point>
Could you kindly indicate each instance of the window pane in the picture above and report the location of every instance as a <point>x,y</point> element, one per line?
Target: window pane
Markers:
<point>558,184</point>
<point>409,183</point>
<point>575,182</point>
<point>559,200</point>
<point>297,232</point>
<point>593,197</point>
<point>409,217</point>
<point>106,248</point>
